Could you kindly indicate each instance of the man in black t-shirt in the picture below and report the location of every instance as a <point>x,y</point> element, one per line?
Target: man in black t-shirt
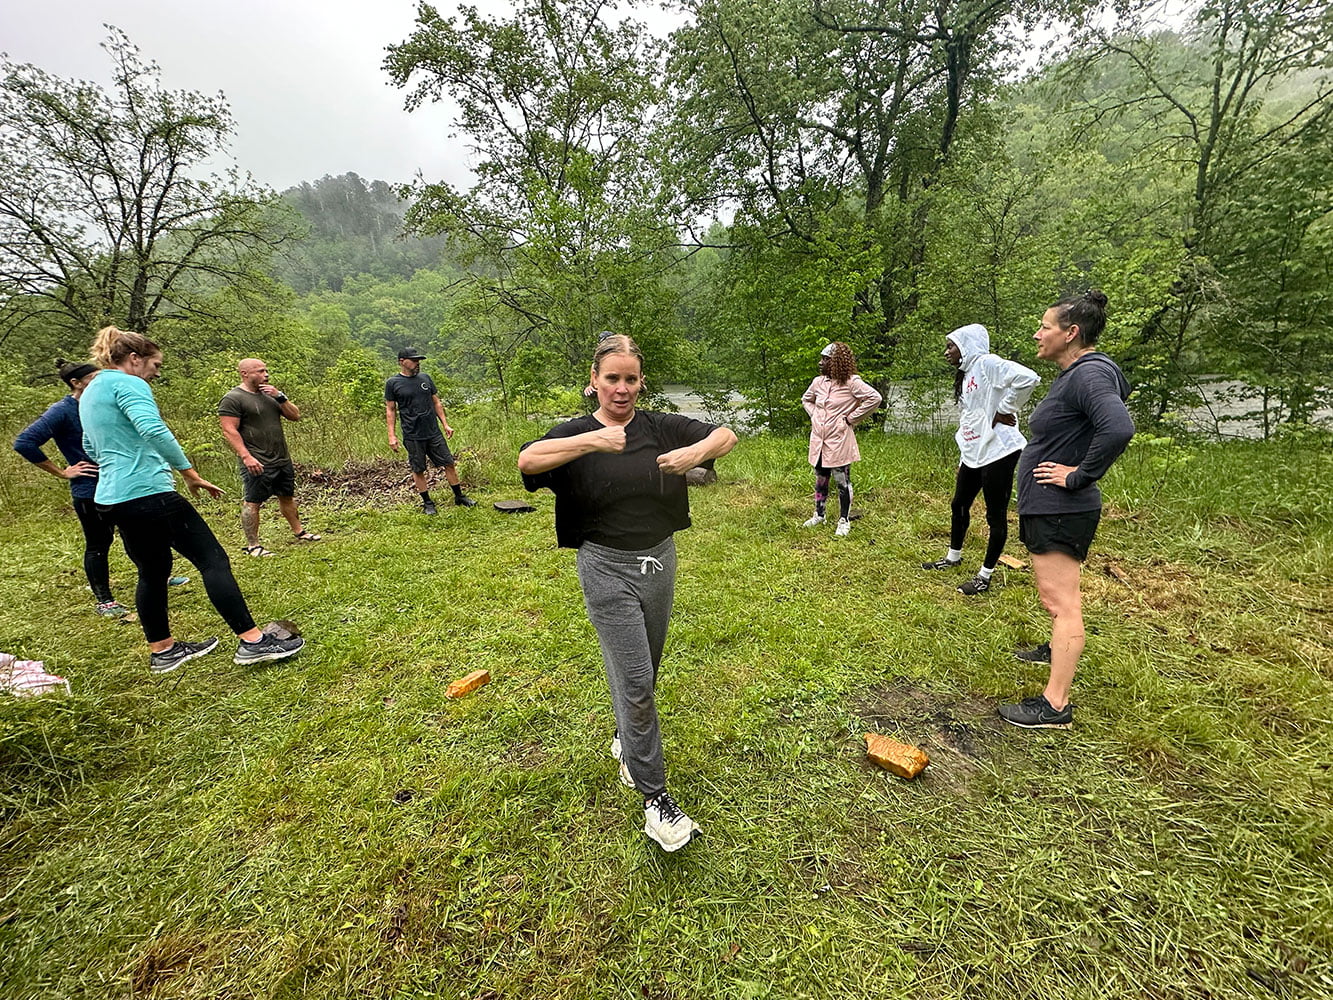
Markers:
<point>251,416</point>
<point>411,397</point>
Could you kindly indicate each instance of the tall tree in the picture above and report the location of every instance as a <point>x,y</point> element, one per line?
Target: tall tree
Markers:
<point>560,228</point>
<point>1217,109</point>
<point>105,214</point>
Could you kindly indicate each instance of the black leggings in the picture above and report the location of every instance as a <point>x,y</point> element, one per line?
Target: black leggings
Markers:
<point>842,478</point>
<point>996,484</point>
<point>98,531</point>
<point>151,527</point>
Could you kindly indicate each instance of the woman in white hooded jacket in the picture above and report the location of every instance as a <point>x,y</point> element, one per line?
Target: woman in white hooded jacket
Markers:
<point>989,391</point>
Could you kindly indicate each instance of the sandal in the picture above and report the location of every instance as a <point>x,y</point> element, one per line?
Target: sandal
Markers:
<point>307,536</point>
<point>256,550</point>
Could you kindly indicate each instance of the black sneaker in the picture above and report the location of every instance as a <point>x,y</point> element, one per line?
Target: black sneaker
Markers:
<point>977,585</point>
<point>945,563</point>
<point>1041,654</point>
<point>169,659</point>
<point>1036,713</point>
<point>464,502</point>
<point>267,647</point>
<point>428,507</point>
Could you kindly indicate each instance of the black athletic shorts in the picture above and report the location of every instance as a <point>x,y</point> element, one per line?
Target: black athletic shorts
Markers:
<point>435,449</point>
<point>1068,533</point>
<point>274,481</point>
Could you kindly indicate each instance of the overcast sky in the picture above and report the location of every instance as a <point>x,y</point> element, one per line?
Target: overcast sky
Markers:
<point>303,78</point>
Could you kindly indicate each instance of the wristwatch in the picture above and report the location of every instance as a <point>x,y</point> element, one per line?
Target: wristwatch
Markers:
<point>281,398</point>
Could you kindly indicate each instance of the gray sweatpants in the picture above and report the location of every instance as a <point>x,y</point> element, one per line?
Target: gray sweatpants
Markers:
<point>628,596</point>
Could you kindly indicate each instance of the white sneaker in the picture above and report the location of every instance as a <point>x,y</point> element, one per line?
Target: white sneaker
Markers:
<point>618,753</point>
<point>844,528</point>
<point>814,522</point>
<point>666,823</point>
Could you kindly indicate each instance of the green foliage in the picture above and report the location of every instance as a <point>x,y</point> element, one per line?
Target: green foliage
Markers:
<point>104,214</point>
<point>333,826</point>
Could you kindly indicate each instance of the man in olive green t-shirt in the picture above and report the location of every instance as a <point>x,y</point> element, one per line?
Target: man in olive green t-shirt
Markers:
<point>251,416</point>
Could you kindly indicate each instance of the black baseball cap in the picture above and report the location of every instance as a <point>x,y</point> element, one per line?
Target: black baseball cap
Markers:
<point>410,354</point>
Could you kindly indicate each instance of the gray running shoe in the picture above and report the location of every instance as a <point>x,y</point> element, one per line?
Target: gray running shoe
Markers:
<point>944,563</point>
<point>1037,713</point>
<point>169,659</point>
<point>267,647</point>
<point>1041,654</point>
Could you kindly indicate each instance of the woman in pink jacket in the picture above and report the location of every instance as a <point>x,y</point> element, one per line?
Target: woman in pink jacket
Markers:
<point>836,401</point>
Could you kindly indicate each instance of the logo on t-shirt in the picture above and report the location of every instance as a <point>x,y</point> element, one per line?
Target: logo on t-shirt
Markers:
<point>426,386</point>
<point>971,383</point>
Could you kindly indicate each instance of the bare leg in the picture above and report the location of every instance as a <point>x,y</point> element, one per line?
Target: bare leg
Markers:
<point>288,507</point>
<point>1057,576</point>
<point>419,482</point>
<point>451,474</point>
<point>250,522</point>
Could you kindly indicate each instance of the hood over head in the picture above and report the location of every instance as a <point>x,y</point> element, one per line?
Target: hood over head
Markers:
<point>972,342</point>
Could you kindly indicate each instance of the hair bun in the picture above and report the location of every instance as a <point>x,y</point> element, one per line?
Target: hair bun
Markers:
<point>1096,296</point>
<point>61,363</point>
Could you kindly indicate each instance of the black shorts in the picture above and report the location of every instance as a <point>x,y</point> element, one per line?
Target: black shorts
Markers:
<point>1068,533</point>
<point>274,481</point>
<point>435,449</point>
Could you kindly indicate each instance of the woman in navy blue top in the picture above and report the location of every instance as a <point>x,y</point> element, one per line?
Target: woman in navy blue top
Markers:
<point>60,424</point>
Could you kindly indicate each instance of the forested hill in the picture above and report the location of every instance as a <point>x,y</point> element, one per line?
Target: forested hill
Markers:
<point>355,227</point>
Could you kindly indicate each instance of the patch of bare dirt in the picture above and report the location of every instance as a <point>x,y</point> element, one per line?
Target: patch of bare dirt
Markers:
<point>1159,585</point>
<point>381,484</point>
<point>956,731</point>
<point>166,958</point>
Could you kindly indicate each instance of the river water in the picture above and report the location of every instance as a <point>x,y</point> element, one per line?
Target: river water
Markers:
<point>1222,413</point>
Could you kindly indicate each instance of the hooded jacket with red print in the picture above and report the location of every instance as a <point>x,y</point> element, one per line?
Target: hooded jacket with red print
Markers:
<point>991,385</point>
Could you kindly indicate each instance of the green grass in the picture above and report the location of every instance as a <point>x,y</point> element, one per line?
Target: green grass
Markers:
<point>233,832</point>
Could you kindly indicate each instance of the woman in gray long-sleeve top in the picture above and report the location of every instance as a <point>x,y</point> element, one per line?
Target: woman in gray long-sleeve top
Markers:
<point>1077,431</point>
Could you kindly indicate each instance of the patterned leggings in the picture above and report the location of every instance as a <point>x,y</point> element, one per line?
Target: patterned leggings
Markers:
<point>842,477</point>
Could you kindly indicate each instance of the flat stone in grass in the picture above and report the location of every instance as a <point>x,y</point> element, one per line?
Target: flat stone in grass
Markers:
<point>513,507</point>
<point>700,476</point>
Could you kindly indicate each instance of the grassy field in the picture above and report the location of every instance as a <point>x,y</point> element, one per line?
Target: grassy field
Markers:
<point>332,826</point>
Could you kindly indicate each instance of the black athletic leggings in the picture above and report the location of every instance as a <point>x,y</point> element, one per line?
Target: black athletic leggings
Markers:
<point>98,531</point>
<point>996,484</point>
<point>151,527</point>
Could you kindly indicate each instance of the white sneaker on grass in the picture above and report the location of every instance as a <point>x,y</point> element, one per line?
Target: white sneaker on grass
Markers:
<point>618,754</point>
<point>666,823</point>
<point>814,522</point>
<point>844,528</point>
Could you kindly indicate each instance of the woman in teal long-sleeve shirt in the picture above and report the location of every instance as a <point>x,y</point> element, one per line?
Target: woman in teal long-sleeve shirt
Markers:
<point>136,453</point>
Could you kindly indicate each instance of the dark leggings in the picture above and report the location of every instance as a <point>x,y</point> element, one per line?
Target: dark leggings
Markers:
<point>151,527</point>
<point>842,477</point>
<point>98,531</point>
<point>996,484</point>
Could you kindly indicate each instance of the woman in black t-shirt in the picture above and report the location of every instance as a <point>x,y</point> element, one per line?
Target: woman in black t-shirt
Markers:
<point>619,481</point>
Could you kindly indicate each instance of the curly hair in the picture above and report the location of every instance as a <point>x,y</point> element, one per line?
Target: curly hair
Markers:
<point>841,363</point>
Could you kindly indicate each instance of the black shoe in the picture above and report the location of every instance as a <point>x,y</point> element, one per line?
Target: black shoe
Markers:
<point>464,502</point>
<point>977,585</point>
<point>169,659</point>
<point>945,563</point>
<point>428,507</point>
<point>267,647</point>
<point>1036,713</point>
<point>1042,654</point>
